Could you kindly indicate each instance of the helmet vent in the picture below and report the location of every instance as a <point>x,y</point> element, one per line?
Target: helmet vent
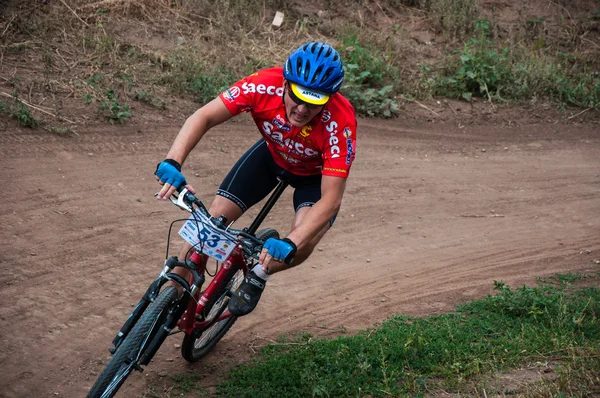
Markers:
<point>326,75</point>
<point>317,74</point>
<point>307,71</point>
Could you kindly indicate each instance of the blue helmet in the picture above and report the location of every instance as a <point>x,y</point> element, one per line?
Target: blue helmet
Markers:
<point>316,66</point>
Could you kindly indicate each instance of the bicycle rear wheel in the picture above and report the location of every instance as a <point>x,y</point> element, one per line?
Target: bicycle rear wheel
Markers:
<point>129,352</point>
<point>195,348</point>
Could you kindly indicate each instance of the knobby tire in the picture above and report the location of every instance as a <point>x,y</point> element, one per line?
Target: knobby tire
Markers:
<point>194,349</point>
<point>119,367</point>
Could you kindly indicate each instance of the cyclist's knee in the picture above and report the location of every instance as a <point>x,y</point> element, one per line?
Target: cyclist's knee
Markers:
<point>226,207</point>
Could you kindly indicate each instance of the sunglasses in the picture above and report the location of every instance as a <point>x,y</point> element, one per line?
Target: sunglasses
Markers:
<point>298,101</point>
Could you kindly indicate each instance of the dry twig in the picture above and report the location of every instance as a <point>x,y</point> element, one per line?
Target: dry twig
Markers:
<point>8,24</point>
<point>421,105</point>
<point>37,108</point>
<point>479,216</point>
<point>74,13</point>
<point>580,113</point>
<point>567,11</point>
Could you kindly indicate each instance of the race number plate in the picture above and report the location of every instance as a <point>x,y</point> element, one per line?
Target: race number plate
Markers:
<point>199,231</point>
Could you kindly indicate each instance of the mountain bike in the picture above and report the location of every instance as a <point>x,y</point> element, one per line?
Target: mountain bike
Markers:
<point>202,316</point>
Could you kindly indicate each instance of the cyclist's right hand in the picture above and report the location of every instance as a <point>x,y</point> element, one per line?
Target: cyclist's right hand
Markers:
<point>168,174</point>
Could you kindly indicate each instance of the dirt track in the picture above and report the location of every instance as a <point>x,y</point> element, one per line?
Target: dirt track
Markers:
<point>433,214</point>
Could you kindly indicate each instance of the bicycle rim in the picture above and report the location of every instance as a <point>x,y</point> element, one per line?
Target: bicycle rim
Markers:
<point>125,359</point>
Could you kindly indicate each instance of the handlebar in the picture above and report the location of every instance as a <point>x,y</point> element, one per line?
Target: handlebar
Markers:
<point>185,200</point>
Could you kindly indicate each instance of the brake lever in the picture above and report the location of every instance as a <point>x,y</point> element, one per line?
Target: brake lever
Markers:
<point>179,200</point>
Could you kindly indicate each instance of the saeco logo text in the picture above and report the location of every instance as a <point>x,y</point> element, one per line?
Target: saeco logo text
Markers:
<point>262,89</point>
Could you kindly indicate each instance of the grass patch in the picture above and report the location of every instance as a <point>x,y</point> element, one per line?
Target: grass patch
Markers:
<point>19,111</point>
<point>487,70</point>
<point>555,321</point>
<point>189,72</point>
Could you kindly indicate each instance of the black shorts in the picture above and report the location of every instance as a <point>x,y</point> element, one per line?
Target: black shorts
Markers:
<point>255,174</point>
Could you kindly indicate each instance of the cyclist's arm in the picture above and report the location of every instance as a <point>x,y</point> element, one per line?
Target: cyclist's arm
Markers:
<point>210,115</point>
<point>332,190</point>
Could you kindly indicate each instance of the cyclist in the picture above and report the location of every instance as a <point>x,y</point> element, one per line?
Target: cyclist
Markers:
<point>308,136</point>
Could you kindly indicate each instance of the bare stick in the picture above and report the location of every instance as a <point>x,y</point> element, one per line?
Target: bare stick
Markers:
<point>37,109</point>
<point>61,57</point>
<point>489,96</point>
<point>451,108</point>
<point>8,24</point>
<point>568,13</point>
<point>384,14</point>
<point>421,105</point>
<point>74,13</point>
<point>597,46</point>
<point>580,113</point>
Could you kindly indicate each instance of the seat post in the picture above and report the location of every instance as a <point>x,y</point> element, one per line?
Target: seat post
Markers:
<point>281,186</point>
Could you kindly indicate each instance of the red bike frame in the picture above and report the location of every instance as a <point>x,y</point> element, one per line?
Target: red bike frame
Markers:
<point>188,322</point>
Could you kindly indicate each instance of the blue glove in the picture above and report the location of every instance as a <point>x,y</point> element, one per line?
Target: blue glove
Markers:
<point>281,249</point>
<point>168,173</point>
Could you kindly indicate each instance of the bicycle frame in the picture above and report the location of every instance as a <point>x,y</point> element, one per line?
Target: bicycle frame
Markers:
<point>188,322</point>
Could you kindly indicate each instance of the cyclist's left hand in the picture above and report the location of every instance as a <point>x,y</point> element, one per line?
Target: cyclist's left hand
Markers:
<point>279,250</point>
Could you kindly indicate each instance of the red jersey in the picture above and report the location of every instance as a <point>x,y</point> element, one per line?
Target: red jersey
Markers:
<point>326,145</point>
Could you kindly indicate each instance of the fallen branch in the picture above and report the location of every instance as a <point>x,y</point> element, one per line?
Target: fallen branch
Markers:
<point>252,346</point>
<point>567,11</point>
<point>451,108</point>
<point>479,216</point>
<point>38,109</point>
<point>74,13</point>
<point>580,113</point>
<point>8,25</point>
<point>421,105</point>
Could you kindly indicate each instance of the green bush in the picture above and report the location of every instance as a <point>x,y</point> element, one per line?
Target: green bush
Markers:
<point>19,111</point>
<point>484,69</point>
<point>369,78</point>
<point>113,110</point>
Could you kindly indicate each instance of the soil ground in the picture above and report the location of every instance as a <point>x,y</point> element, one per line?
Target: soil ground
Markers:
<point>433,214</point>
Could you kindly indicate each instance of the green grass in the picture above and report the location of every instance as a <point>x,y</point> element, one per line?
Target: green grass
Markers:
<point>189,72</point>
<point>457,352</point>
<point>19,111</point>
<point>486,69</point>
<point>370,77</point>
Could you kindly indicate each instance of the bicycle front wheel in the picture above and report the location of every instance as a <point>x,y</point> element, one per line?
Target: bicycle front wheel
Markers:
<point>126,357</point>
